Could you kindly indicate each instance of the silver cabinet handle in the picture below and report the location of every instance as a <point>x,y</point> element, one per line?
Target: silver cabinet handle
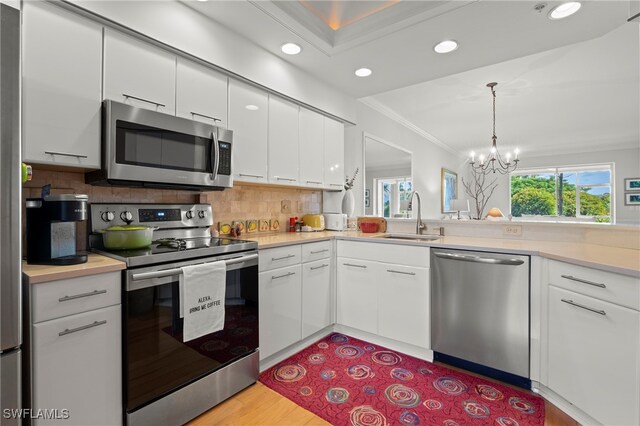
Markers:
<point>66,154</point>
<point>336,184</point>
<point>580,280</point>
<point>248,175</point>
<point>313,181</point>
<point>478,259</point>
<point>571,302</point>
<point>400,272</point>
<point>288,274</point>
<point>324,265</point>
<point>355,266</point>
<point>144,100</point>
<point>205,116</point>
<point>79,296</point>
<point>286,179</point>
<point>84,327</point>
<point>319,251</point>
<point>273,259</point>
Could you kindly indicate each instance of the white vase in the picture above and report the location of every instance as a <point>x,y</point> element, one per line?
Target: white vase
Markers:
<point>348,203</point>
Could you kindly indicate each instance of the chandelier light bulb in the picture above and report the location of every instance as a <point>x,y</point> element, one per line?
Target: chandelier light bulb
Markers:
<point>473,156</point>
<point>517,151</point>
<point>493,149</point>
<point>508,157</point>
<point>481,159</point>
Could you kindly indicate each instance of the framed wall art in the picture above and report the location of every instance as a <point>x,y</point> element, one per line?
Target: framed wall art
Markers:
<point>449,189</point>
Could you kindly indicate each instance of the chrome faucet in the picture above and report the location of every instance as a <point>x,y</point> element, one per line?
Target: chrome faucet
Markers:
<point>419,225</point>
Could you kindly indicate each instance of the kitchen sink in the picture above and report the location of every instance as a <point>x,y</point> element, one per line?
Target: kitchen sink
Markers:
<point>412,237</point>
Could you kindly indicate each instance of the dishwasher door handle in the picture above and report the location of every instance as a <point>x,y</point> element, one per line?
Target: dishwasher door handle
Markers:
<point>478,259</point>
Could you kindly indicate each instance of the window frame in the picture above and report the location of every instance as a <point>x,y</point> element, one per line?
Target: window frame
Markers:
<point>577,169</point>
<point>394,198</point>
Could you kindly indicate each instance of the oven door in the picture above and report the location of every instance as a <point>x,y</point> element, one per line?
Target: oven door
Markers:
<point>157,361</point>
<point>156,148</point>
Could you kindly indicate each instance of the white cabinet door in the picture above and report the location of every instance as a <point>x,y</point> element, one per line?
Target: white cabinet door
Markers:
<point>311,148</point>
<point>594,359</point>
<point>334,173</point>
<point>316,296</point>
<point>201,93</point>
<point>280,313</point>
<point>283,142</point>
<point>248,118</point>
<point>404,304</point>
<point>357,298</point>
<point>77,365</point>
<point>138,73</point>
<point>61,87</point>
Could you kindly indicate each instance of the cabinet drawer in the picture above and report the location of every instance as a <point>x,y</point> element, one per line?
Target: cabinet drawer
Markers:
<point>67,297</point>
<point>316,251</point>
<point>279,257</point>
<point>384,252</point>
<point>615,288</point>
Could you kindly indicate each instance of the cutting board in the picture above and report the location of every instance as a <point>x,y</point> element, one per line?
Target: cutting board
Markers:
<point>382,222</point>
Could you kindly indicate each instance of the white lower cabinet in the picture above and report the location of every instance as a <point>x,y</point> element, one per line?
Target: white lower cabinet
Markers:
<point>316,296</point>
<point>357,304</point>
<point>280,309</point>
<point>594,356</point>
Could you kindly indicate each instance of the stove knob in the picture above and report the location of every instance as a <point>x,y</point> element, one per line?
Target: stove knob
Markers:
<point>126,216</point>
<point>107,216</point>
<point>189,214</point>
<point>202,214</point>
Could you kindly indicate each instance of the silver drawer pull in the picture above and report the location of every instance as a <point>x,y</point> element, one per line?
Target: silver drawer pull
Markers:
<point>66,154</point>
<point>355,266</point>
<point>580,280</point>
<point>84,327</point>
<point>319,251</point>
<point>324,265</point>
<point>144,100</point>
<point>273,259</point>
<point>205,116</point>
<point>571,302</point>
<point>248,175</point>
<point>400,272</point>
<point>80,296</point>
<point>313,181</point>
<point>286,179</point>
<point>288,274</point>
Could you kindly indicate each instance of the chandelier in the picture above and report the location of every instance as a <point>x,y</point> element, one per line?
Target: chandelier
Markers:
<point>494,161</point>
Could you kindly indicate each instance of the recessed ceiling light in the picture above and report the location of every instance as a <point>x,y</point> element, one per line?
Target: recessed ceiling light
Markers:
<point>446,46</point>
<point>291,48</point>
<point>363,72</point>
<point>564,10</point>
<point>252,107</point>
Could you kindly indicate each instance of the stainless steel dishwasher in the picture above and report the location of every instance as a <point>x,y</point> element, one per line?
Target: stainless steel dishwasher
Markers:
<point>480,312</point>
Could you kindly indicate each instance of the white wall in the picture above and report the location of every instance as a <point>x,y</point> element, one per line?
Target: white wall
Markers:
<point>427,158</point>
<point>181,27</point>
<point>626,165</point>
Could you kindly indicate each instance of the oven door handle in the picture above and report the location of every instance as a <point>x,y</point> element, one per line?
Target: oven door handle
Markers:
<point>178,271</point>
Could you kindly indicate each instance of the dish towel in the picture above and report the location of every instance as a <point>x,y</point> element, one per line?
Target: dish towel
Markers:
<point>202,293</point>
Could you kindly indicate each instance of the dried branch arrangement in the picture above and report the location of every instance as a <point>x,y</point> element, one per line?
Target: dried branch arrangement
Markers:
<point>480,190</point>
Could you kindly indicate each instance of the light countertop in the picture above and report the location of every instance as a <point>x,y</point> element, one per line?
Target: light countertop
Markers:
<point>96,264</point>
<point>613,259</point>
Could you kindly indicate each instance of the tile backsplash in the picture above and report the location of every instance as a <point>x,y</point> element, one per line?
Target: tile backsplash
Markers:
<point>242,202</point>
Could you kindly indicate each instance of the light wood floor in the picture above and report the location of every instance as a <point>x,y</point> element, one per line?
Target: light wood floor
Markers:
<point>259,405</point>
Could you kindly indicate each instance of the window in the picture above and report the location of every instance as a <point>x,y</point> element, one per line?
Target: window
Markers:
<point>577,193</point>
<point>392,197</point>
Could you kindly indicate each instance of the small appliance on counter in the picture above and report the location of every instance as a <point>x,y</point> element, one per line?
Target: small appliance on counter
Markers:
<point>314,221</point>
<point>335,221</point>
<point>51,228</point>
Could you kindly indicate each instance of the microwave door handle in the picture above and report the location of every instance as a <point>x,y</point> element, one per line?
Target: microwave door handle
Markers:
<point>215,154</point>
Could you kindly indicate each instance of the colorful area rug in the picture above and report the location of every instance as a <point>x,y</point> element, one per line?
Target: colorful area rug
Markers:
<point>349,381</point>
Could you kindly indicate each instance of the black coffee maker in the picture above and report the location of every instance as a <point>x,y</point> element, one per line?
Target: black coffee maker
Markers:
<point>51,228</point>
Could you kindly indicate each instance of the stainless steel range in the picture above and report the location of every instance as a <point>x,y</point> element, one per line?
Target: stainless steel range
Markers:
<point>166,380</point>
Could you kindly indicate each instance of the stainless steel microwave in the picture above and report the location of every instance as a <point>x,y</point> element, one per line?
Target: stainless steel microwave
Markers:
<point>146,148</point>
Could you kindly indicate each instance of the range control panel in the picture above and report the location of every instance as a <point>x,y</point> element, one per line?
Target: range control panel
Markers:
<point>164,216</point>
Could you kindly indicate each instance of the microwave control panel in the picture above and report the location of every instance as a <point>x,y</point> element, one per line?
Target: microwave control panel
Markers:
<point>224,165</point>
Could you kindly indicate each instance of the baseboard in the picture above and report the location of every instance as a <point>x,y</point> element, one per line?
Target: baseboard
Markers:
<point>568,408</point>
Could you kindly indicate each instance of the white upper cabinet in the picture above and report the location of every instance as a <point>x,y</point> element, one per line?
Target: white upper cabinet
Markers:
<point>248,119</point>
<point>139,73</point>
<point>61,87</point>
<point>334,173</point>
<point>283,142</point>
<point>311,148</point>
<point>201,93</point>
